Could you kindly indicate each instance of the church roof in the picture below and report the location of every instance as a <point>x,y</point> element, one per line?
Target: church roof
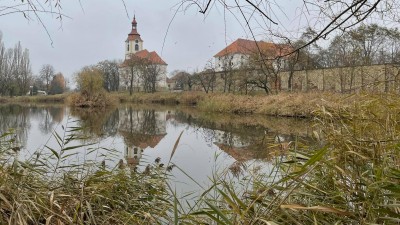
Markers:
<point>248,47</point>
<point>133,35</point>
<point>151,56</point>
<point>142,140</point>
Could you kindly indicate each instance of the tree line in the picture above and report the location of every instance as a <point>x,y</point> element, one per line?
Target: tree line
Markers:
<point>17,78</point>
<point>134,74</point>
<point>15,69</point>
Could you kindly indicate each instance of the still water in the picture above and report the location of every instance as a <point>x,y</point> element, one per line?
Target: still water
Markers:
<point>136,135</point>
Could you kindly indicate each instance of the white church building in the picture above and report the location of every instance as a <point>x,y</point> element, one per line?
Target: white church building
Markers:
<point>134,48</point>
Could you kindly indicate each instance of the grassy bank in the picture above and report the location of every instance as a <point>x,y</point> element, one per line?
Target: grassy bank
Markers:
<point>35,99</point>
<point>283,104</point>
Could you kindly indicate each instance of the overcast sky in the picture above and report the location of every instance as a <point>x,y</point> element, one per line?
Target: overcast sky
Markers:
<point>97,31</point>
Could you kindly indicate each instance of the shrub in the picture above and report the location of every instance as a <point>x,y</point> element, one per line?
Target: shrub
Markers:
<point>92,93</point>
<point>89,80</point>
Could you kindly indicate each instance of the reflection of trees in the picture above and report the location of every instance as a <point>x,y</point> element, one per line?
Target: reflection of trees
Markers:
<point>19,117</point>
<point>16,117</point>
<point>142,121</point>
<point>140,129</point>
<point>97,122</point>
<point>46,115</point>
<point>110,126</point>
<point>149,124</point>
<point>241,139</point>
<point>57,113</point>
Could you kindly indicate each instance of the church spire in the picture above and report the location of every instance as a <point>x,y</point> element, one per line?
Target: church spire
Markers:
<point>133,43</point>
<point>134,23</point>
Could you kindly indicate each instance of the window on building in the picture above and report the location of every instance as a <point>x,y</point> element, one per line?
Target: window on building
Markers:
<point>136,41</point>
<point>127,47</point>
<point>136,47</point>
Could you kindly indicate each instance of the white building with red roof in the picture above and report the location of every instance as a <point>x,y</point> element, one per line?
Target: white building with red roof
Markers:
<point>134,51</point>
<point>239,52</point>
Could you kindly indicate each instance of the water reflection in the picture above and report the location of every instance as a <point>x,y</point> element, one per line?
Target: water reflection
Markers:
<point>19,119</point>
<point>97,123</point>
<point>48,117</point>
<point>140,129</point>
<point>242,138</point>
<point>246,138</point>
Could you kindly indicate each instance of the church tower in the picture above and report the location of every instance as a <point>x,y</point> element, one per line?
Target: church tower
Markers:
<point>133,43</point>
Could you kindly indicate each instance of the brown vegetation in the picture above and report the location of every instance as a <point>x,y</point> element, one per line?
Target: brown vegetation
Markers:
<point>86,100</point>
<point>283,104</point>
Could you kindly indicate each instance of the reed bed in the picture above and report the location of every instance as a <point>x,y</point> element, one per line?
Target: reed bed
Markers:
<point>49,188</point>
<point>353,177</point>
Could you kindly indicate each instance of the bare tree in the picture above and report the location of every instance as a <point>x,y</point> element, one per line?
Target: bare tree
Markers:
<point>326,17</point>
<point>142,72</point>
<point>150,75</point>
<point>46,74</point>
<point>15,70</point>
<point>183,80</point>
<point>111,75</point>
<point>132,68</point>
<point>207,78</point>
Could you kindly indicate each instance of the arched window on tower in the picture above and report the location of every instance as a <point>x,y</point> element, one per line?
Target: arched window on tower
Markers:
<point>127,47</point>
<point>136,47</point>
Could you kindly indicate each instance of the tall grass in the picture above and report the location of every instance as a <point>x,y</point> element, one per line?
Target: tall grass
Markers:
<point>52,187</point>
<point>353,178</point>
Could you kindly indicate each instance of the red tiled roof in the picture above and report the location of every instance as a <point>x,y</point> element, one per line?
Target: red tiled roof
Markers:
<point>247,47</point>
<point>142,54</point>
<point>142,140</point>
<point>239,154</point>
<point>151,56</point>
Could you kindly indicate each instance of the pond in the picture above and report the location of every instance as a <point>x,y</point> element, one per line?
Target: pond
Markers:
<point>134,136</point>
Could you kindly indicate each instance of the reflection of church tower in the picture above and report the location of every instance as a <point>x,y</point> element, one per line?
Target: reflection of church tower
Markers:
<point>133,43</point>
<point>133,155</point>
<point>140,130</point>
